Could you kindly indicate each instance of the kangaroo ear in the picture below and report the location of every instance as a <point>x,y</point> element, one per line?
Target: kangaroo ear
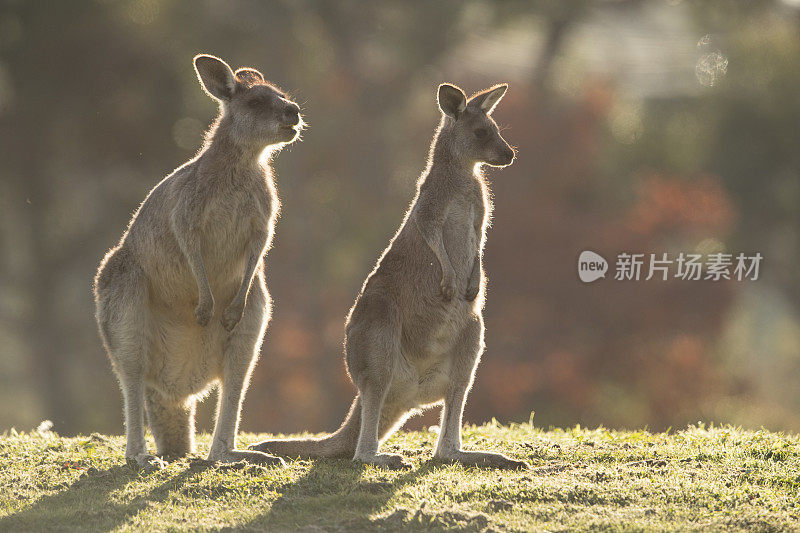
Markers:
<point>488,99</point>
<point>452,100</point>
<point>249,75</point>
<point>215,76</point>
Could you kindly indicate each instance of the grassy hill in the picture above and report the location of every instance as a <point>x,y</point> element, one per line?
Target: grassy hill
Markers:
<point>702,478</point>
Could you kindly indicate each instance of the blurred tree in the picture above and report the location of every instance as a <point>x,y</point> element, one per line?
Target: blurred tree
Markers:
<point>68,118</point>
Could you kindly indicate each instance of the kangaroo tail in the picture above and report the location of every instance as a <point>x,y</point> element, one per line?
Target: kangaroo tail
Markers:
<point>341,443</point>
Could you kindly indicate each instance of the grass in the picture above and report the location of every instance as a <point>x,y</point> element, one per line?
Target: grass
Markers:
<point>701,478</point>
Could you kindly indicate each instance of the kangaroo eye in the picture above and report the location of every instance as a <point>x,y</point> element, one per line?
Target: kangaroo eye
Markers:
<point>480,133</point>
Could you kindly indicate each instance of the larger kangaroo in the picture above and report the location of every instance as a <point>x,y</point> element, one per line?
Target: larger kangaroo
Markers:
<point>181,300</point>
<point>414,336</point>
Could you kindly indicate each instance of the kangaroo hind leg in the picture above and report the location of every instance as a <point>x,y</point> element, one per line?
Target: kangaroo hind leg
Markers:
<point>241,355</point>
<point>120,298</point>
<point>465,356</point>
<point>373,348</point>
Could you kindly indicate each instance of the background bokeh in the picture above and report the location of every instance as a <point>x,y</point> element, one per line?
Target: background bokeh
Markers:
<point>642,126</point>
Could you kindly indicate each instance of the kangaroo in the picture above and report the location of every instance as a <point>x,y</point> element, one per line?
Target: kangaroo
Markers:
<point>414,336</point>
<point>181,302</point>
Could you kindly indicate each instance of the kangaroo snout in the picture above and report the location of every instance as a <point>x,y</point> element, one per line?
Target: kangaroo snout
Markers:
<point>504,158</point>
<point>291,115</point>
<point>508,156</point>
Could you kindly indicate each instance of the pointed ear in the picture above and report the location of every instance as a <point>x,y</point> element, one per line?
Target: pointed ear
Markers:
<point>249,75</point>
<point>452,100</point>
<point>487,100</point>
<point>215,76</point>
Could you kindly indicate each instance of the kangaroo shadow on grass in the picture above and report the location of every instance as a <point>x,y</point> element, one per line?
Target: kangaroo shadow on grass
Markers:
<point>87,504</point>
<point>333,494</point>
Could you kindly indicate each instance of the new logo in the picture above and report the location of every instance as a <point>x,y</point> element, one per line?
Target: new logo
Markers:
<point>591,266</point>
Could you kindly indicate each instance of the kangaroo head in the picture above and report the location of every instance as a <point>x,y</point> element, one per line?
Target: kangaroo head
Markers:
<point>258,112</point>
<point>473,133</point>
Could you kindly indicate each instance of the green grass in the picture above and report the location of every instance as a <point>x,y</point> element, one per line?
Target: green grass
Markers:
<point>702,478</point>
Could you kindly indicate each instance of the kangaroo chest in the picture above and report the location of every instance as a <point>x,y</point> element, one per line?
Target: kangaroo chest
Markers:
<point>236,221</point>
<point>463,231</point>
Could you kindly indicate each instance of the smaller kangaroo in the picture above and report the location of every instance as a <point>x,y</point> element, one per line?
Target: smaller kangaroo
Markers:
<point>181,302</point>
<point>414,336</point>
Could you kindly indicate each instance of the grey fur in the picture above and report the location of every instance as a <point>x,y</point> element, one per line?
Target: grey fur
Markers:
<point>414,336</point>
<point>181,302</point>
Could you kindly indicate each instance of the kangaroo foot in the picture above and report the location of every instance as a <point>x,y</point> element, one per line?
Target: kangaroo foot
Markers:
<point>148,462</point>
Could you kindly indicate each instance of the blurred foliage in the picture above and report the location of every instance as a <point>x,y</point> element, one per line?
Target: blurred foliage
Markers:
<point>623,146</point>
